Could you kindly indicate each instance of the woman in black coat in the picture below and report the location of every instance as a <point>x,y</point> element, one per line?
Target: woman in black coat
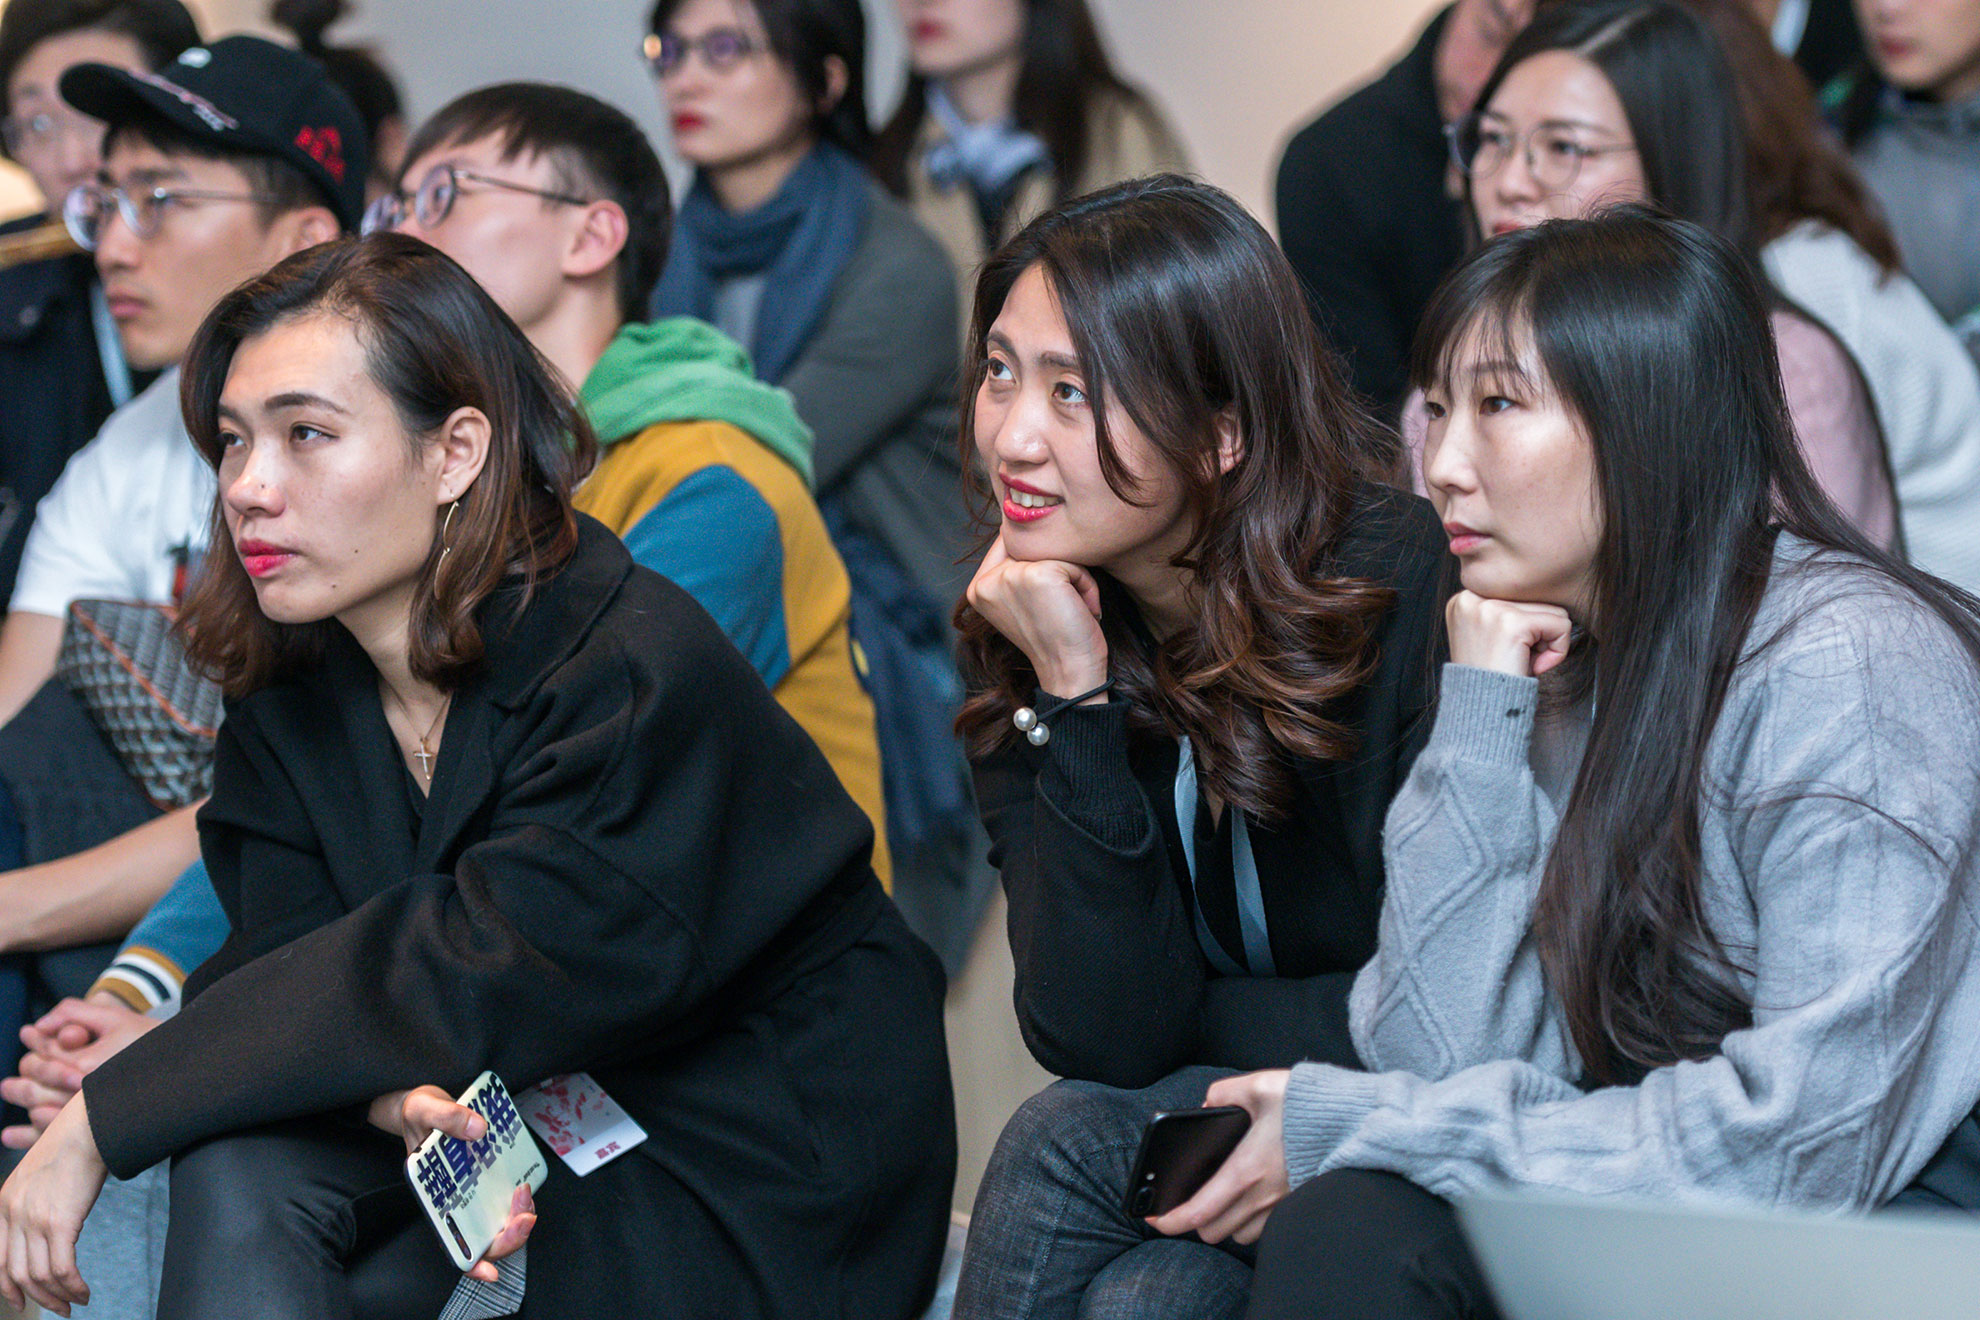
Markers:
<point>490,796</point>
<point>1201,647</point>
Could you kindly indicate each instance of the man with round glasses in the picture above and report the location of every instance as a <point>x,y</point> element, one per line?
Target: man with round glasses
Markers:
<point>62,369</point>
<point>556,203</point>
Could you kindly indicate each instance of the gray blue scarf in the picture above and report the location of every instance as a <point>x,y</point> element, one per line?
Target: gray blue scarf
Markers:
<point>798,241</point>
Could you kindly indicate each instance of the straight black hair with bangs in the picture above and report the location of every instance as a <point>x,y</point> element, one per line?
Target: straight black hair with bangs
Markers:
<point>1654,334</point>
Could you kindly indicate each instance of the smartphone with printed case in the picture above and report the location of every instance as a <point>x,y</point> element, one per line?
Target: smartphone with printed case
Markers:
<point>466,1186</point>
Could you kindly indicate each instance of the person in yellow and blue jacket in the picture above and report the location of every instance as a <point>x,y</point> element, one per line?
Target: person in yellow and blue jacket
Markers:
<point>555,202</point>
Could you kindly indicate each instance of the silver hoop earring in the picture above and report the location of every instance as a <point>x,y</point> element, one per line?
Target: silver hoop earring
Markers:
<point>445,523</point>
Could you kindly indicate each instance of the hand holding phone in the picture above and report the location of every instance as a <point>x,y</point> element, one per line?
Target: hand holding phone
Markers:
<point>470,1189</point>
<point>1180,1149</point>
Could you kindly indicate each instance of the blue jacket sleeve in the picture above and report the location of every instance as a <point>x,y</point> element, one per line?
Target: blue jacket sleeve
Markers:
<point>183,929</point>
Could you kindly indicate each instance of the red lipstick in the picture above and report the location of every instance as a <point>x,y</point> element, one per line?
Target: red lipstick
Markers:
<point>260,558</point>
<point>1018,513</point>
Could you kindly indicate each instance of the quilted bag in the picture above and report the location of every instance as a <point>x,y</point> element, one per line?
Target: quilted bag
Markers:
<point>121,661</point>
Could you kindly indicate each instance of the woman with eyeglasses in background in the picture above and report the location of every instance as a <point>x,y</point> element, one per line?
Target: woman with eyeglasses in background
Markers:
<point>786,243</point>
<point>1632,100</point>
<point>1011,107</point>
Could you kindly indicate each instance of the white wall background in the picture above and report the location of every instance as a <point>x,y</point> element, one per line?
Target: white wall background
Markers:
<point>1235,77</point>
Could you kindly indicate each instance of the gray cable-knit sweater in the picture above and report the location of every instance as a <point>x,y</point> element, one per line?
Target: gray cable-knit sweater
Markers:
<point>1839,867</point>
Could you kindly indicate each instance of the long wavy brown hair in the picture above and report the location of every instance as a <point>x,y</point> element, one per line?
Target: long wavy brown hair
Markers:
<point>1183,312</point>
<point>434,343</point>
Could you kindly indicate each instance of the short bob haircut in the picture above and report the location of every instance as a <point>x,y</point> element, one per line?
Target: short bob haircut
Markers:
<point>1185,315</point>
<point>434,343</point>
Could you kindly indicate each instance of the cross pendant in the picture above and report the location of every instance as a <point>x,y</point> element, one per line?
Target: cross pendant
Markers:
<point>425,759</point>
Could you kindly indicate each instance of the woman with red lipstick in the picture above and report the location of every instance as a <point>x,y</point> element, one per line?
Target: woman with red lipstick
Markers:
<point>490,796</point>
<point>1185,549</point>
<point>1011,106</point>
<point>1682,890</point>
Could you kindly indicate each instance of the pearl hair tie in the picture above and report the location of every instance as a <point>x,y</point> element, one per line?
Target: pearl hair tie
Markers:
<point>1031,723</point>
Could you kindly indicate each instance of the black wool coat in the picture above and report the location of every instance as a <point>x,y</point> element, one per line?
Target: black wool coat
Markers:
<point>632,862</point>
<point>1113,985</point>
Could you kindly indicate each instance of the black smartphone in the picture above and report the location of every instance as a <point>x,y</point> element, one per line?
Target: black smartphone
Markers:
<point>1180,1149</point>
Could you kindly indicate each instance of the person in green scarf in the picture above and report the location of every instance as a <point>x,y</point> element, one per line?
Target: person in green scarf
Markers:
<point>556,203</point>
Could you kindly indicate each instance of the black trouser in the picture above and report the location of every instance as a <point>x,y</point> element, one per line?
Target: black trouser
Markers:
<point>307,1218</point>
<point>1359,1245</point>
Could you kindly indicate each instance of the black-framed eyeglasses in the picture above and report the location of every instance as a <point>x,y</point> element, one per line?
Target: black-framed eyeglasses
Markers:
<point>434,198</point>
<point>1554,153</point>
<point>721,48</point>
<point>88,207</point>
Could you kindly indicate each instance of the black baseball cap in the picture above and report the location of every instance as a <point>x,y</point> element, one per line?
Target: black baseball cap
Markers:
<point>248,96</point>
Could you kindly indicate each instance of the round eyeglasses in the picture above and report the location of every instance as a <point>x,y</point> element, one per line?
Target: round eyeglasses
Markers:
<point>721,49</point>
<point>1553,152</point>
<point>44,130</point>
<point>431,202</point>
<point>88,208</point>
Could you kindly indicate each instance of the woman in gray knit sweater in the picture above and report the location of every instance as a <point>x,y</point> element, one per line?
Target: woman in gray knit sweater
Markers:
<point>1682,892</point>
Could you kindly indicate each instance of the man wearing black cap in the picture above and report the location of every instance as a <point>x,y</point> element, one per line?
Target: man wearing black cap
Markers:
<point>225,161</point>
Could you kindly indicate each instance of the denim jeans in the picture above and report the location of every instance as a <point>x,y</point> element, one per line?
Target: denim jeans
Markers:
<point>1049,1237</point>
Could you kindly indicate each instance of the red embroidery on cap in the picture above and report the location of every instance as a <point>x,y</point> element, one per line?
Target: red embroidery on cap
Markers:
<point>326,147</point>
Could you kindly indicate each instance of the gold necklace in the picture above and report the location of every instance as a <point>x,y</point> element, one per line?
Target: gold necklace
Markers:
<point>425,755</point>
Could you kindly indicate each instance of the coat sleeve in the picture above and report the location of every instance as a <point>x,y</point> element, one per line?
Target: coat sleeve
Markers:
<point>1109,981</point>
<point>643,848</point>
